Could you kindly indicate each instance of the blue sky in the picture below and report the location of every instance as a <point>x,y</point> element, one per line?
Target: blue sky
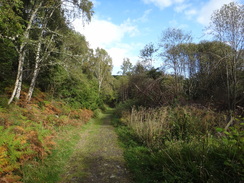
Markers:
<point>124,27</point>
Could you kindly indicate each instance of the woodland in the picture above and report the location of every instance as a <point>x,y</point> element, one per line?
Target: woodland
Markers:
<point>182,122</point>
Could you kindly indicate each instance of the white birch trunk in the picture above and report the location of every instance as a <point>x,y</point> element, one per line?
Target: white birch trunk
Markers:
<point>18,82</point>
<point>38,58</point>
<point>19,78</point>
<point>36,71</point>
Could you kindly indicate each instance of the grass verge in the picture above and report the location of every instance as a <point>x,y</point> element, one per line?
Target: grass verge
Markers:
<point>194,159</point>
<point>50,169</point>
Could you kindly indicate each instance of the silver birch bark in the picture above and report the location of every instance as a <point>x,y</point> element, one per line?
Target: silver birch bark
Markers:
<point>102,66</point>
<point>37,68</point>
<point>35,73</point>
<point>21,59</point>
<point>38,58</point>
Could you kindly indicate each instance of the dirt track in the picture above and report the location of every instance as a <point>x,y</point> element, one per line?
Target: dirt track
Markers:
<point>98,157</point>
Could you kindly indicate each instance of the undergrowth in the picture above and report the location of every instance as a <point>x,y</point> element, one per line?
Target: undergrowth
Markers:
<point>181,144</point>
<point>52,167</point>
<point>28,130</point>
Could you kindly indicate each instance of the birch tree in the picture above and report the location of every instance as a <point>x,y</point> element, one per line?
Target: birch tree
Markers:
<point>126,66</point>
<point>103,66</point>
<point>42,54</point>
<point>80,8</point>
<point>11,26</point>
<point>38,14</point>
<point>171,52</point>
<point>146,55</point>
<point>22,52</point>
<point>227,26</point>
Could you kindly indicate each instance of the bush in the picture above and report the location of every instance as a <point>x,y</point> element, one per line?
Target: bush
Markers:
<point>191,150</point>
<point>124,106</point>
<point>155,126</point>
<point>97,113</point>
<point>3,101</point>
<point>27,133</point>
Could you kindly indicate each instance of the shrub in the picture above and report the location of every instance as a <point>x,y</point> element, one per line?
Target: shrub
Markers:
<point>14,149</point>
<point>181,144</point>
<point>124,106</point>
<point>97,113</point>
<point>155,126</point>
<point>27,133</point>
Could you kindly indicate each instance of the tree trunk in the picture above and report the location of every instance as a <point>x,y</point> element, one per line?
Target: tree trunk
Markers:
<point>36,71</point>
<point>18,82</point>
<point>38,58</point>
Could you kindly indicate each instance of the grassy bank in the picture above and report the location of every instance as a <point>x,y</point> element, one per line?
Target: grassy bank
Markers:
<point>29,134</point>
<point>53,166</point>
<point>181,145</point>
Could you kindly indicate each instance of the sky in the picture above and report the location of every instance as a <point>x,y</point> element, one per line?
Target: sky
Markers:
<point>124,27</point>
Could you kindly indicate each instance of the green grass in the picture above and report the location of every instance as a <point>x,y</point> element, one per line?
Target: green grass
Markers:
<point>50,169</point>
<point>202,159</point>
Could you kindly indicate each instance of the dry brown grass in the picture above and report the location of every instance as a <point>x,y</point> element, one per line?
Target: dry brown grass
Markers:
<point>154,126</point>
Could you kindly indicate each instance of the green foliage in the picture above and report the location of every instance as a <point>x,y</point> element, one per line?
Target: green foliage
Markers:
<point>54,165</point>
<point>126,66</point>
<point>27,133</point>
<point>124,106</point>
<point>181,127</point>
<point>75,89</point>
<point>11,22</point>
<point>128,136</point>
<point>3,102</point>
<point>80,95</point>
<point>233,138</point>
<point>204,160</point>
<point>8,57</point>
<point>97,113</point>
<point>191,151</point>
<point>14,149</point>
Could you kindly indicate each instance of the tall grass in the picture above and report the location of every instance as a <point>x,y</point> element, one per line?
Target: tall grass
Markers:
<point>149,124</point>
<point>156,126</point>
<point>181,144</point>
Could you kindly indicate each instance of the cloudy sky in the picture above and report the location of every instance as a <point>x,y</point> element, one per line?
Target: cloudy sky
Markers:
<point>124,27</point>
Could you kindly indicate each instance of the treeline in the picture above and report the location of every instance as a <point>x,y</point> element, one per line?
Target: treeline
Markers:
<point>39,48</point>
<point>183,122</point>
<point>209,72</point>
<point>51,82</point>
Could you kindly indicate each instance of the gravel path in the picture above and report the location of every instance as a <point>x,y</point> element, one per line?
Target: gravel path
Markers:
<point>98,157</point>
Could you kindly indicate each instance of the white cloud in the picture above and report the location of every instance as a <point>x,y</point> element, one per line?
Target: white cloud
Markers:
<point>163,3</point>
<point>191,12</point>
<point>129,28</point>
<point>207,9</point>
<point>201,12</point>
<point>121,51</point>
<point>107,35</point>
<point>117,54</point>
<point>99,32</point>
<point>102,33</point>
<point>144,17</point>
<point>181,7</point>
